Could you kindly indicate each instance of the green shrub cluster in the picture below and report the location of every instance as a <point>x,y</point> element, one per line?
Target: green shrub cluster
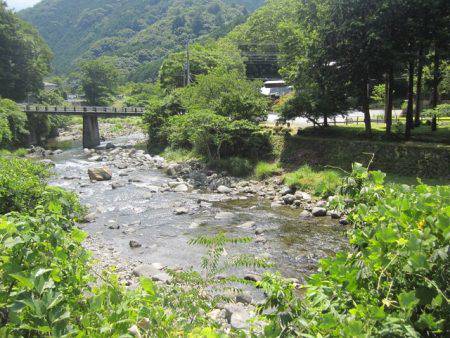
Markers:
<point>217,117</point>
<point>47,287</point>
<point>322,183</point>
<point>394,281</point>
<point>13,124</point>
<point>215,136</point>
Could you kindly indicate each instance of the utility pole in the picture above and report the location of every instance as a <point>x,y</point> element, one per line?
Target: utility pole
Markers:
<point>188,64</point>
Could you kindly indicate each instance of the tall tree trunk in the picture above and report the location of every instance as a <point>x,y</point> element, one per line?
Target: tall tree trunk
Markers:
<point>389,100</point>
<point>365,106</point>
<point>436,79</point>
<point>409,111</point>
<point>325,121</point>
<point>419,89</point>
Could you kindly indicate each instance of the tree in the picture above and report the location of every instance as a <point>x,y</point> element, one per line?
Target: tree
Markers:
<point>309,65</point>
<point>203,58</point>
<point>226,93</point>
<point>99,80</point>
<point>24,57</point>
<point>13,123</point>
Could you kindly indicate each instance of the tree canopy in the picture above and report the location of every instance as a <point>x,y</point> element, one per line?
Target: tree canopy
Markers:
<point>99,80</point>
<point>24,57</point>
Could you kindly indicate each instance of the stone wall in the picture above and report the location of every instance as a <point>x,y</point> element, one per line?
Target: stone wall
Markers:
<point>408,159</point>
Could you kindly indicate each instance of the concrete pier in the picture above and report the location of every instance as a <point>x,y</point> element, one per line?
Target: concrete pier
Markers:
<point>91,133</point>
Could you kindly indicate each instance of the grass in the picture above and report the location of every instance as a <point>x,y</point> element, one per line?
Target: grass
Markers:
<point>265,169</point>
<point>354,131</point>
<point>179,155</point>
<point>234,166</point>
<point>321,183</point>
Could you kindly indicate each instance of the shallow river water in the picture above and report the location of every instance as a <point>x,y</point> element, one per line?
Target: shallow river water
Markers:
<point>133,213</point>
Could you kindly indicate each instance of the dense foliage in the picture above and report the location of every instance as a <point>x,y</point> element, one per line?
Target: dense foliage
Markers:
<point>46,286</point>
<point>203,58</point>
<point>259,37</point>
<point>216,136</point>
<point>13,124</point>
<point>227,93</point>
<point>216,116</point>
<point>24,57</point>
<point>99,80</point>
<point>321,183</point>
<point>395,280</point>
<point>137,33</point>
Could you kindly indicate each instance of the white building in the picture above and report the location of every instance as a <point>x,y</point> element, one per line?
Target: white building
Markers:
<point>275,89</point>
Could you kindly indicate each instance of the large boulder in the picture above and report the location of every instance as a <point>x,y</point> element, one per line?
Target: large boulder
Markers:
<point>100,174</point>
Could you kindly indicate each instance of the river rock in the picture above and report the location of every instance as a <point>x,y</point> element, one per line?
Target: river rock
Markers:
<point>117,185</point>
<point>173,169</point>
<point>100,174</point>
<point>244,298</point>
<point>288,199</point>
<point>181,211</point>
<point>334,214</point>
<point>109,145</point>
<point>252,277</point>
<point>95,158</point>
<point>259,231</point>
<point>305,214</point>
<point>303,195</point>
<point>135,244</point>
<point>247,225</point>
<point>224,215</point>
<point>150,271</point>
<point>224,189</point>
<point>286,190</point>
<point>89,218</point>
<point>216,314</point>
<point>238,316</point>
<point>275,204</point>
<point>181,188</point>
<point>152,188</point>
<point>319,212</point>
<point>343,221</point>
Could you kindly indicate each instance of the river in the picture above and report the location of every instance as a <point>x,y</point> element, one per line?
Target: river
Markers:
<point>134,212</point>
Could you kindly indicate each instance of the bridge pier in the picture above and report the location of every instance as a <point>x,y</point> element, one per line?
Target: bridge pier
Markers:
<point>91,133</point>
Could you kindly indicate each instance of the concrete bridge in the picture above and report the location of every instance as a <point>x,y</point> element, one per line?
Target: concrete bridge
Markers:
<point>91,133</point>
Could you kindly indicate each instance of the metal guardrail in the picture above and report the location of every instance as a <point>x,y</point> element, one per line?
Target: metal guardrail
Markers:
<point>82,110</point>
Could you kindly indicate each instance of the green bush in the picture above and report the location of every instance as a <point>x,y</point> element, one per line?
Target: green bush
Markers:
<point>227,93</point>
<point>321,183</point>
<point>46,285</point>
<point>22,184</point>
<point>216,137</point>
<point>13,124</point>
<point>394,281</point>
<point>265,169</point>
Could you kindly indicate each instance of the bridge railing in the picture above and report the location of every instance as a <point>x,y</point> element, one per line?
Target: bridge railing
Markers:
<point>81,109</point>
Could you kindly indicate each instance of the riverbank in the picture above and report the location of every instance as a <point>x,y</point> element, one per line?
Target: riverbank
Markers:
<point>144,214</point>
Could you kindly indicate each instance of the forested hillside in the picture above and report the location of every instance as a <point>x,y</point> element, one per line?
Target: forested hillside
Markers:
<point>139,33</point>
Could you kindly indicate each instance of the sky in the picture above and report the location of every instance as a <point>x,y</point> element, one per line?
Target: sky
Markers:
<point>21,4</point>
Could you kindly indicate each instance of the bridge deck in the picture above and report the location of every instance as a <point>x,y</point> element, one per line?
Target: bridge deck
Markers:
<point>85,111</point>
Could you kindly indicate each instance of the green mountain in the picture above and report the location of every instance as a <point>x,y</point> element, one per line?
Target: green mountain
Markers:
<point>139,33</point>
